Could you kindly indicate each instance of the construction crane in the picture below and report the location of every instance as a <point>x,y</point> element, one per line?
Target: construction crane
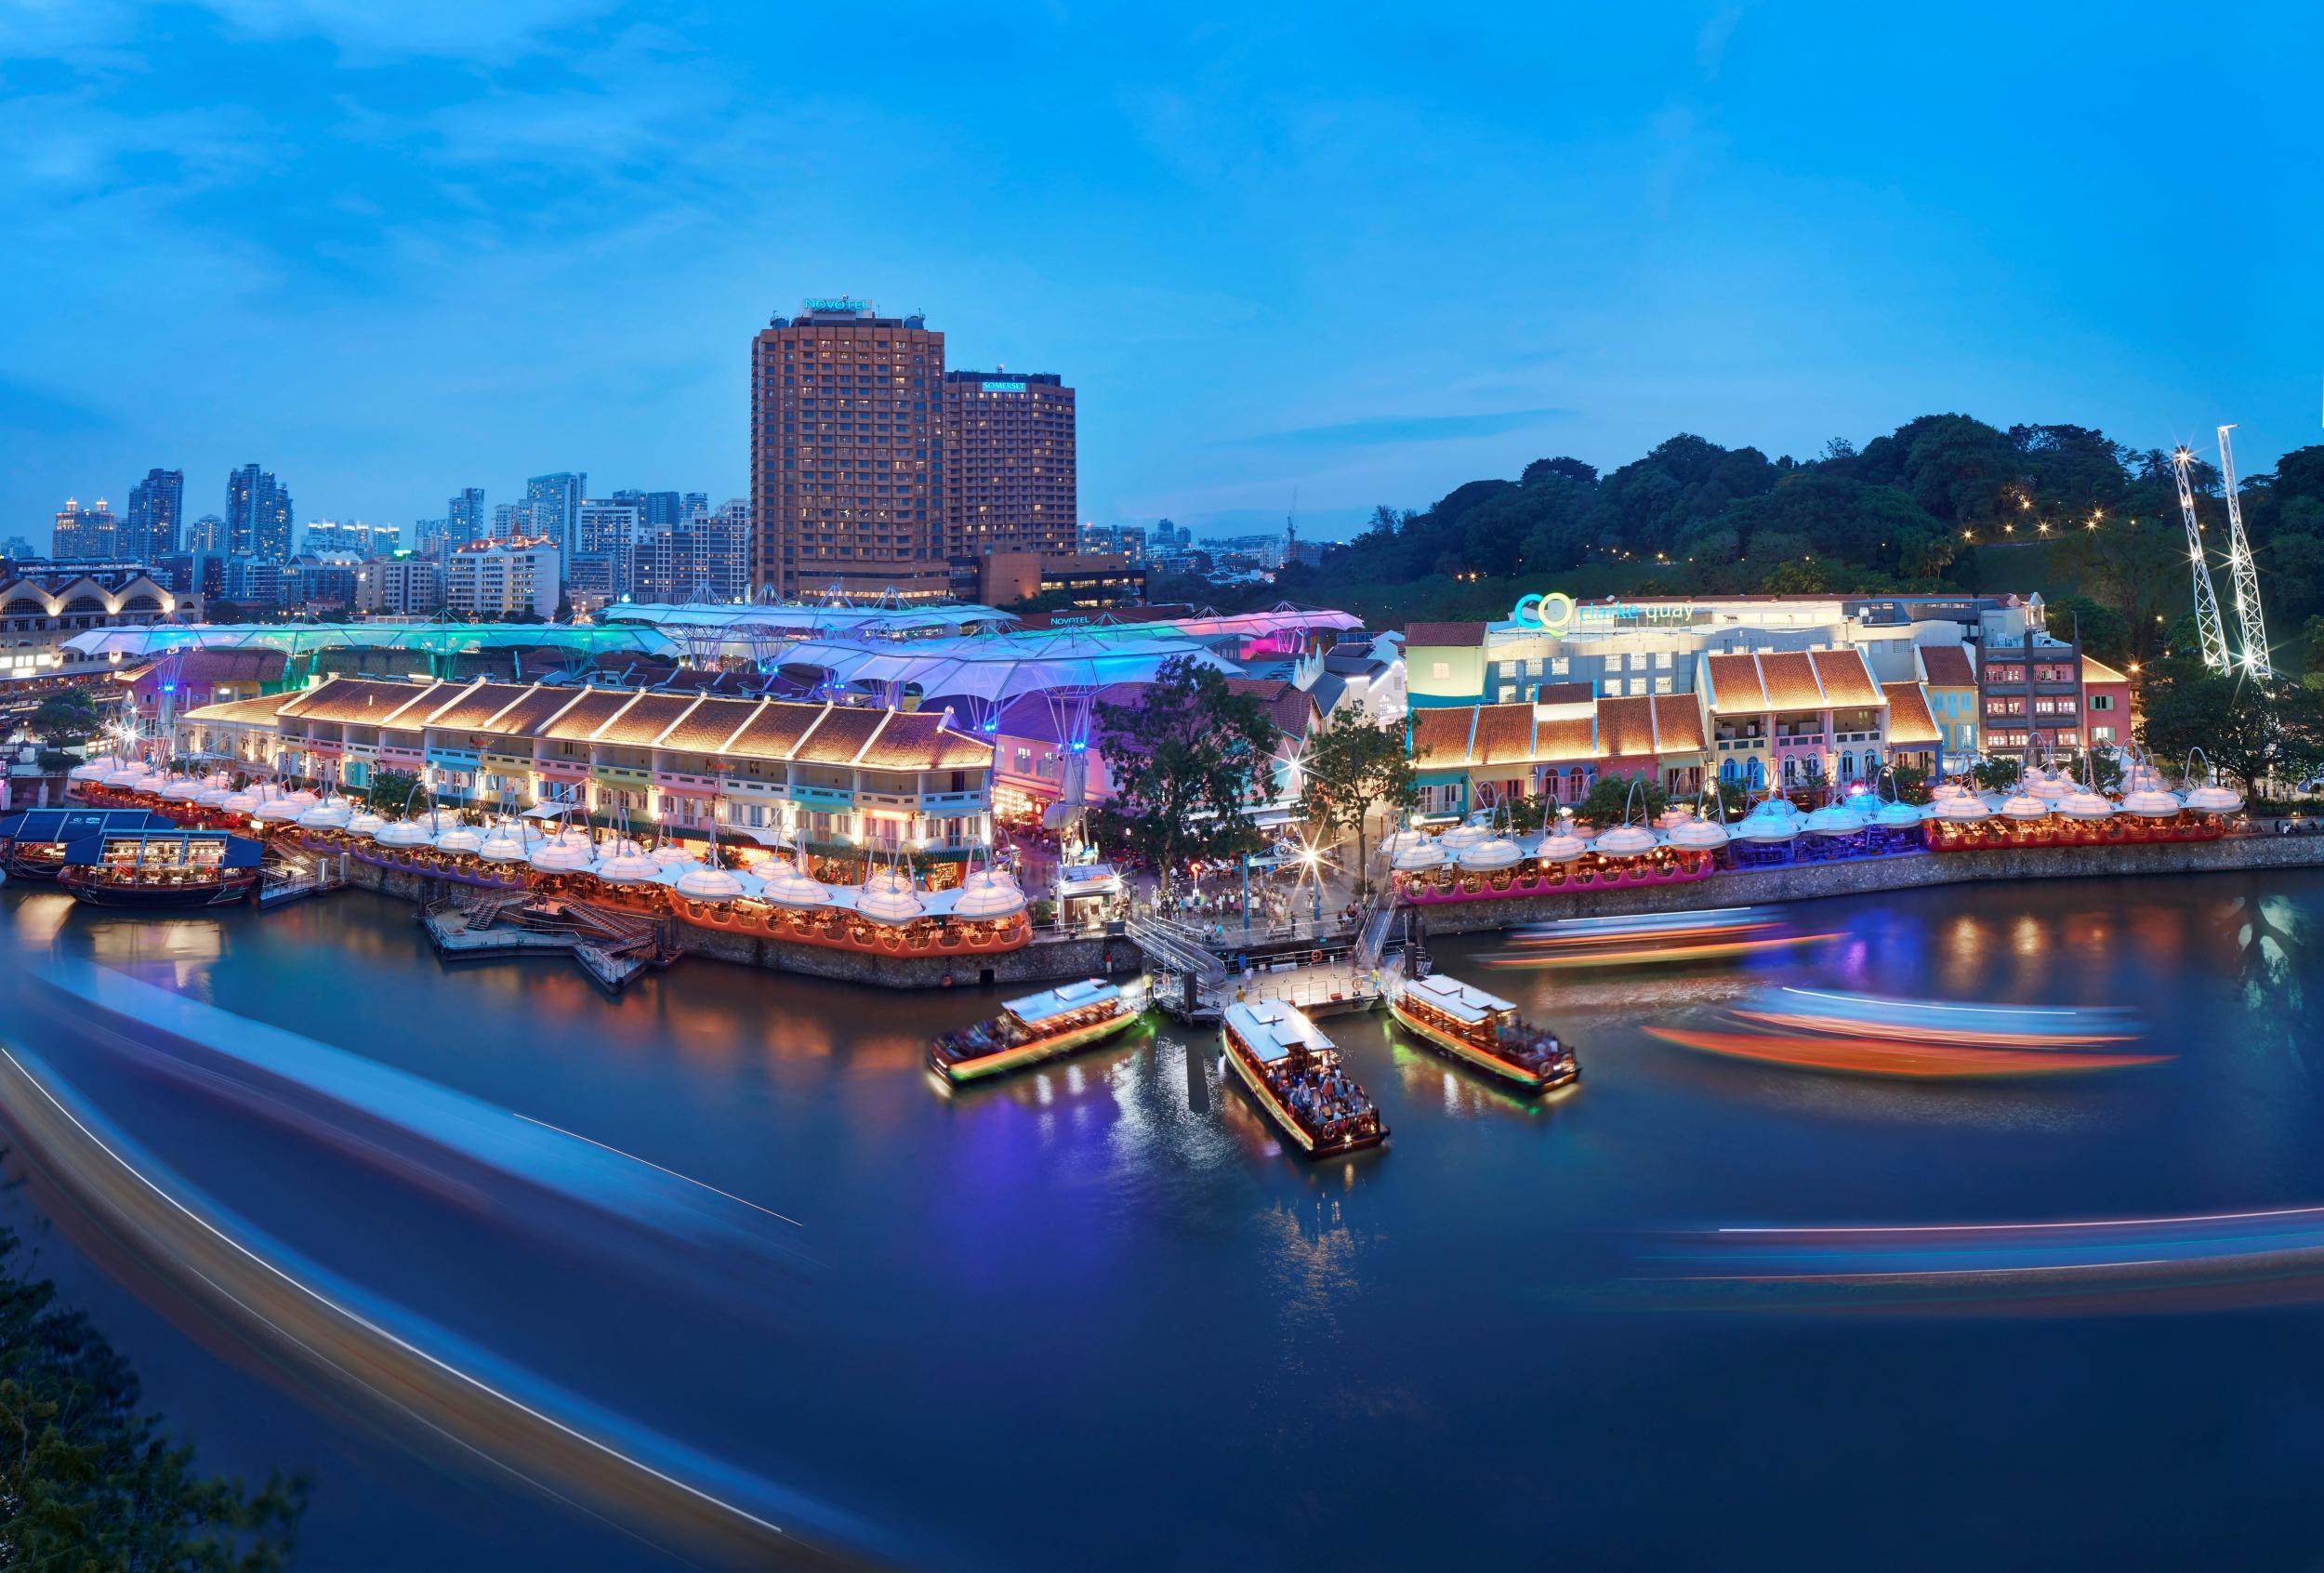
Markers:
<point>2207,621</point>
<point>2251,625</point>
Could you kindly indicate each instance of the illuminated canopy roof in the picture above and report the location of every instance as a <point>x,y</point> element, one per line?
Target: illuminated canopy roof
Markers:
<point>310,638</point>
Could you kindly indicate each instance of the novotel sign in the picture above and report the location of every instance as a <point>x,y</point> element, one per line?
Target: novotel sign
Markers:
<point>834,303</point>
<point>1560,612</point>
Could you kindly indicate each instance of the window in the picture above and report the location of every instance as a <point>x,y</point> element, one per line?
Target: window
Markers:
<point>1508,693</point>
<point>1440,670</point>
<point>1558,666</point>
<point>2101,734</point>
<point>1662,685</point>
<point>1662,660</point>
<point>2103,702</point>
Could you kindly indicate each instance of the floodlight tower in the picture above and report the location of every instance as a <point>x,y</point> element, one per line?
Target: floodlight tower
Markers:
<point>2253,626</point>
<point>2207,621</point>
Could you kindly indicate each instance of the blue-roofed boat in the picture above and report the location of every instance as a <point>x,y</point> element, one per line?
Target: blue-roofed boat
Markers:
<point>162,868</point>
<point>1292,1072</point>
<point>33,842</point>
<point>1039,1027</point>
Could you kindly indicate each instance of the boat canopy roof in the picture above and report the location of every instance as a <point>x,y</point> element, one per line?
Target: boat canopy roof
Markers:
<point>241,851</point>
<point>1274,1029</point>
<point>1461,1001</point>
<point>1058,1001</point>
<point>59,825</point>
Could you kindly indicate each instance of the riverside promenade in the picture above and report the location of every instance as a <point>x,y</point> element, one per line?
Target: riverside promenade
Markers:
<point>1051,958</point>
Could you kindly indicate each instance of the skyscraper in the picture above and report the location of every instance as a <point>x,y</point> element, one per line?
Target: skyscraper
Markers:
<point>258,515</point>
<point>846,453</point>
<point>364,540</point>
<point>207,536</point>
<point>605,538</point>
<point>1010,464</point>
<point>157,514</point>
<point>465,517</point>
<point>85,534</point>
<point>704,556</point>
<point>554,504</point>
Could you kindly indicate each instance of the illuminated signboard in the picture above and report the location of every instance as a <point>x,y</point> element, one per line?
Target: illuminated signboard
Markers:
<point>1004,388</point>
<point>1559,612</point>
<point>834,303</point>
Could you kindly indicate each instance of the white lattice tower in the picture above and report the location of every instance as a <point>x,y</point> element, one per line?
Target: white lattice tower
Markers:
<point>2252,626</point>
<point>2207,622</point>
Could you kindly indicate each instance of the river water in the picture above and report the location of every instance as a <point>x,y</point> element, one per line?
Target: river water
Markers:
<point>1093,1316</point>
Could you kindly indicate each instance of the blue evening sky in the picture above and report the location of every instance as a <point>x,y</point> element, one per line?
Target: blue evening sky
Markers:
<point>391,249</point>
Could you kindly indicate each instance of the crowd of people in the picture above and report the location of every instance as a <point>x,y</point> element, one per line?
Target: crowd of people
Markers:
<point>1325,1099</point>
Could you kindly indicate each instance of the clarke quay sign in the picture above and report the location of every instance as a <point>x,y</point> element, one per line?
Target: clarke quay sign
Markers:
<point>1559,612</point>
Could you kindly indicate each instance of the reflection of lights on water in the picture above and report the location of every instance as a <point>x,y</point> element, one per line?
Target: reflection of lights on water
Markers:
<point>1868,1035</point>
<point>2251,1255</point>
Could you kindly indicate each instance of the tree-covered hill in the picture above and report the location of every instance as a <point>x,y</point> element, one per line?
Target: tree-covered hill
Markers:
<point>1945,501</point>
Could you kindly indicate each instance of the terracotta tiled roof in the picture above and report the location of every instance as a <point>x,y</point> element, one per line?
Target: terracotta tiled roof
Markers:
<point>1678,723</point>
<point>919,740</point>
<point>1948,666</point>
<point>1572,739</point>
<point>262,710</point>
<point>774,732</point>
<point>1846,680</point>
<point>1440,736</point>
<point>840,735</point>
<point>531,710</point>
<point>1790,679</point>
<point>594,708</point>
<point>1909,724</point>
<point>706,728</point>
<point>475,704</point>
<point>198,666</point>
<point>1504,734</point>
<point>2095,670</point>
<point>1626,728</point>
<point>368,701</point>
<point>1734,684</point>
<point>1290,707</point>
<point>642,724</point>
<point>1445,633</point>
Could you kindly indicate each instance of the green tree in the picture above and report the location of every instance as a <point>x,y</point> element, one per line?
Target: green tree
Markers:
<point>2105,631</point>
<point>1610,797</point>
<point>1184,759</point>
<point>390,790</point>
<point>1997,773</point>
<point>1911,782</point>
<point>2249,731</point>
<point>1351,767</point>
<point>65,719</point>
<point>89,1482</point>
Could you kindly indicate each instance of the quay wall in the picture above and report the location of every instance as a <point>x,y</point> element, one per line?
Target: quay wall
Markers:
<point>1872,874</point>
<point>1045,960</point>
<point>1049,959</point>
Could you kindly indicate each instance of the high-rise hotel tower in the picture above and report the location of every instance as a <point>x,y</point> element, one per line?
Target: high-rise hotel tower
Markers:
<point>847,453</point>
<point>1009,464</point>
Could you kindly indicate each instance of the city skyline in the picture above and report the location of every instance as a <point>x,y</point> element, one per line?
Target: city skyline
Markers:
<point>1430,273</point>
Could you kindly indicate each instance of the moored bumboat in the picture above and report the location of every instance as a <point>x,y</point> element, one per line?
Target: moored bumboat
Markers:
<point>1465,1022</point>
<point>1292,1071</point>
<point>1037,1027</point>
<point>160,869</point>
